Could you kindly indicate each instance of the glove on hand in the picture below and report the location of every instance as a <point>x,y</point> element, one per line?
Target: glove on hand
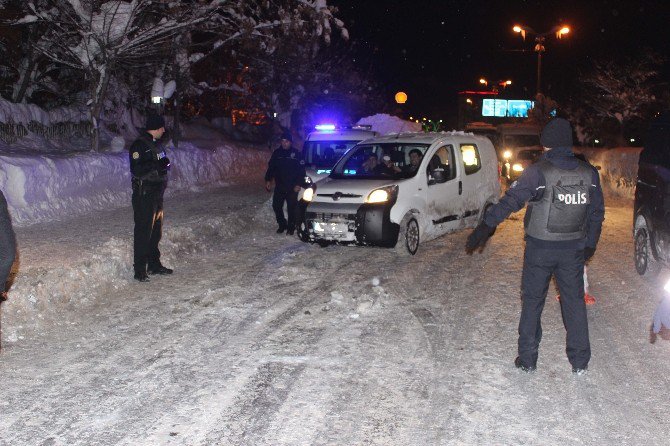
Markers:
<point>478,237</point>
<point>588,253</point>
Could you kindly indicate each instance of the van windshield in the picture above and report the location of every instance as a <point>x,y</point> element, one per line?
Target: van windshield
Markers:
<point>324,154</point>
<point>381,161</point>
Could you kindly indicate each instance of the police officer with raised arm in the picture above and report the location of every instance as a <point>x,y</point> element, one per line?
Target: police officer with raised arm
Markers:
<point>149,168</point>
<point>562,225</point>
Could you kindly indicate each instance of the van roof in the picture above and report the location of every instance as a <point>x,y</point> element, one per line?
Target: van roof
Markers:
<point>424,137</point>
<point>341,135</point>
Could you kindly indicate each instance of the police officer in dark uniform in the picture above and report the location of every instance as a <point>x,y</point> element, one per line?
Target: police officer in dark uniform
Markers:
<point>562,224</point>
<point>149,168</point>
<point>287,168</point>
<point>7,247</point>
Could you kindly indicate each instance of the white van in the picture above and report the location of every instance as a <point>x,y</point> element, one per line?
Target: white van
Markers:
<point>402,190</point>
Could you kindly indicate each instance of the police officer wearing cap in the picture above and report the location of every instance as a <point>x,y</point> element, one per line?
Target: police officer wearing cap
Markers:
<point>562,226</point>
<point>287,168</point>
<point>149,168</point>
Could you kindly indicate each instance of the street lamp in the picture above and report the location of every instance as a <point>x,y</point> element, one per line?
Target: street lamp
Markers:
<point>559,31</point>
<point>500,83</point>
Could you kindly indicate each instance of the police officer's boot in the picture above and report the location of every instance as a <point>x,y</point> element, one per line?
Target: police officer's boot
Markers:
<point>141,276</point>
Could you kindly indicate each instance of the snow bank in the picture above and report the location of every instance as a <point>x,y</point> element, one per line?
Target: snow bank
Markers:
<point>26,113</point>
<point>618,169</point>
<point>45,187</point>
<point>384,124</point>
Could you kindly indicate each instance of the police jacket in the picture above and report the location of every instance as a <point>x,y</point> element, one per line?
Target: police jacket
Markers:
<point>557,184</point>
<point>148,161</point>
<point>287,168</point>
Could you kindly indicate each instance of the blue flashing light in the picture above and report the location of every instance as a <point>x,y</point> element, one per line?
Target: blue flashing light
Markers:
<point>325,127</point>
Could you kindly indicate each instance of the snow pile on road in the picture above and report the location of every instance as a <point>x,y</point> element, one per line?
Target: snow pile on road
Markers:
<point>618,169</point>
<point>45,187</point>
<point>384,124</point>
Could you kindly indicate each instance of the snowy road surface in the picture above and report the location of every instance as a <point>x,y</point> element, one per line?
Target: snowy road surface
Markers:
<point>259,339</point>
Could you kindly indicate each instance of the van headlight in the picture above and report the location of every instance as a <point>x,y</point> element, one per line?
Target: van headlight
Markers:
<point>382,195</point>
<point>517,167</point>
<point>308,195</point>
<point>507,154</point>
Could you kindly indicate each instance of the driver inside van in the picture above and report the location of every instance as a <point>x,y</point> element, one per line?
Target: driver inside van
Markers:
<point>415,157</point>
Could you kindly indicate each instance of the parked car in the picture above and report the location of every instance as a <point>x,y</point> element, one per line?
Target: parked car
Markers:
<point>518,147</point>
<point>402,190</point>
<point>651,225</point>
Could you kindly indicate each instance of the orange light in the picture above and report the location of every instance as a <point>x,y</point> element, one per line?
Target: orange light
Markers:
<point>517,29</point>
<point>508,82</point>
<point>401,97</point>
<point>468,100</point>
<point>483,81</point>
<point>562,31</point>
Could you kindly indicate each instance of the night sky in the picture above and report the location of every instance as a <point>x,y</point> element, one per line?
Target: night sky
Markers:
<point>434,48</point>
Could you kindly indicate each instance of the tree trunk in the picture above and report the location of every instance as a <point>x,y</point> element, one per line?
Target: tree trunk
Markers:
<point>176,119</point>
<point>25,75</point>
<point>98,96</point>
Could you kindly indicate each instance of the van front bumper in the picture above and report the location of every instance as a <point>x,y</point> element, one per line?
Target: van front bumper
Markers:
<point>363,224</point>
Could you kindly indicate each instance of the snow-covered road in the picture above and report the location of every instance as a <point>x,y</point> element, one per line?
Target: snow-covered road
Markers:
<point>259,339</point>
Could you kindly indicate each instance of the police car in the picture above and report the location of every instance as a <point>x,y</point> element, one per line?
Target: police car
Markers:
<point>402,190</point>
<point>324,146</point>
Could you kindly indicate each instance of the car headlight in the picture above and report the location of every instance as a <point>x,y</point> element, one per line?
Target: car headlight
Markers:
<point>507,154</point>
<point>308,195</point>
<point>517,167</point>
<point>382,195</point>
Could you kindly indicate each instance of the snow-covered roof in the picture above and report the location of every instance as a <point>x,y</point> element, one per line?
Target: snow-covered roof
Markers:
<point>423,137</point>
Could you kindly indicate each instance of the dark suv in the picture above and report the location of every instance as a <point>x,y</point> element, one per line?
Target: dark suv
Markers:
<point>651,224</point>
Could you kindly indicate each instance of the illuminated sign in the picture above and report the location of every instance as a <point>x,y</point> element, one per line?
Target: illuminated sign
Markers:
<point>501,108</point>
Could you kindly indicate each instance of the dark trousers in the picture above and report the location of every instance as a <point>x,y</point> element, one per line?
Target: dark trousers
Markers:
<point>7,243</point>
<point>148,216</point>
<point>567,266</point>
<point>291,199</point>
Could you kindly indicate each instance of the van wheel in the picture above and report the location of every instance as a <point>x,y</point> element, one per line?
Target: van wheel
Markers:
<point>645,263</point>
<point>408,238</point>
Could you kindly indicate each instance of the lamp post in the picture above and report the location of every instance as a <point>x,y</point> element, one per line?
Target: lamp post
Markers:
<point>539,48</point>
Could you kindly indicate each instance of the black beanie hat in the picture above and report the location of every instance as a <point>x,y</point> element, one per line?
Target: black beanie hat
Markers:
<point>557,133</point>
<point>287,136</point>
<point>154,122</point>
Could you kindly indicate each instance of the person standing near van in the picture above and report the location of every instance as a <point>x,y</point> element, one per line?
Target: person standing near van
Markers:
<point>562,225</point>
<point>287,168</point>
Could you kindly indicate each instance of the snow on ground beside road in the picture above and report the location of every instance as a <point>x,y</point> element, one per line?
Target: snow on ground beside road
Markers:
<point>385,124</point>
<point>44,187</point>
<point>618,169</point>
<point>260,339</point>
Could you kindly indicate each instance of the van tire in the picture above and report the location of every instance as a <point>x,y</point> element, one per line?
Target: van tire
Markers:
<point>408,236</point>
<point>645,263</point>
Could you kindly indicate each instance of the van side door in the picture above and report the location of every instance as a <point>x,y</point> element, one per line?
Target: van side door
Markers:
<point>443,197</point>
<point>471,180</point>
